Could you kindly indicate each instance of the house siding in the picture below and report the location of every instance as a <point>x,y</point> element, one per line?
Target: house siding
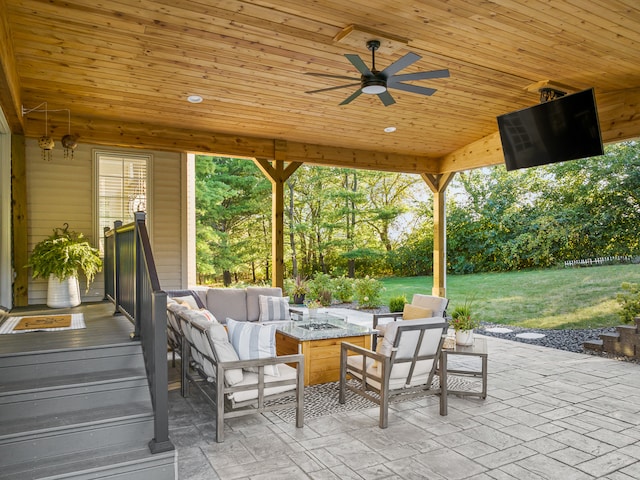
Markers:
<point>62,191</point>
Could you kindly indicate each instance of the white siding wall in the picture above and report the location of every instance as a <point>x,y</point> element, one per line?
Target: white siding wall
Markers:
<point>62,191</point>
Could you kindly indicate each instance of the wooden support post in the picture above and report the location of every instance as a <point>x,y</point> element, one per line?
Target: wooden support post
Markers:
<point>277,173</point>
<point>19,219</point>
<point>438,185</point>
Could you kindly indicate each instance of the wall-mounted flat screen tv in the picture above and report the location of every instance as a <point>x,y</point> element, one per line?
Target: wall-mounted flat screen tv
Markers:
<point>566,128</point>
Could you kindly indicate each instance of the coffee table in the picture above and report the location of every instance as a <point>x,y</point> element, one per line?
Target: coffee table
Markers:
<point>319,340</point>
<point>458,366</point>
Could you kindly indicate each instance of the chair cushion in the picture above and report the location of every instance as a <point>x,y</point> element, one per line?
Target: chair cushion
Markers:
<point>199,316</point>
<point>398,375</point>
<point>253,303</point>
<point>413,312</point>
<point>190,296</point>
<point>285,372</point>
<point>437,305</point>
<point>252,341</point>
<point>187,301</point>
<point>228,303</point>
<point>273,308</point>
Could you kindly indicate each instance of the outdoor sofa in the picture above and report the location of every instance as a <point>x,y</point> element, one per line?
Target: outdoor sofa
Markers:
<point>230,355</point>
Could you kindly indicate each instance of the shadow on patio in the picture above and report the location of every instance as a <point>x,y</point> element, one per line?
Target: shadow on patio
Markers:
<point>550,414</point>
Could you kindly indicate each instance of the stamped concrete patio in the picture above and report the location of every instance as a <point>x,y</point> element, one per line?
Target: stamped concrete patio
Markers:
<point>550,414</point>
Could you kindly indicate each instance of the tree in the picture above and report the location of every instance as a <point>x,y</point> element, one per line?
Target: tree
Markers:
<point>230,195</point>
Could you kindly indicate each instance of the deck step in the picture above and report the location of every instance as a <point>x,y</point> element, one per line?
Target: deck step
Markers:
<point>38,437</point>
<point>122,462</point>
<point>63,380</point>
<point>60,397</point>
<point>57,363</point>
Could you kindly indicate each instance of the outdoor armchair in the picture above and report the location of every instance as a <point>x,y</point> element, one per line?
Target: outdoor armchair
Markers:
<point>404,366</point>
<point>421,306</point>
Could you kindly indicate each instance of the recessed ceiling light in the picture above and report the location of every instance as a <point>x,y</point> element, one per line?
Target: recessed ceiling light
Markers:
<point>194,98</point>
<point>390,129</point>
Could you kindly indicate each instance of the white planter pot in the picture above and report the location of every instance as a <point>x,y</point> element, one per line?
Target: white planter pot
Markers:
<point>313,313</point>
<point>63,294</point>
<point>464,337</point>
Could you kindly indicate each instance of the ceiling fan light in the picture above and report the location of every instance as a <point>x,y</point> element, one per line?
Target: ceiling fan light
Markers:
<point>373,85</point>
<point>374,89</point>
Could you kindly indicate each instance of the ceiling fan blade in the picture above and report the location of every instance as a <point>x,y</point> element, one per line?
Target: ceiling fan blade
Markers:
<point>355,95</point>
<point>341,77</point>
<point>386,98</point>
<point>402,62</point>
<point>357,62</point>
<point>418,76</point>
<point>333,88</point>
<point>413,88</point>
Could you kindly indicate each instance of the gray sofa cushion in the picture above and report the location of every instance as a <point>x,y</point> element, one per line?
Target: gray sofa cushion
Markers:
<point>253,304</point>
<point>228,302</point>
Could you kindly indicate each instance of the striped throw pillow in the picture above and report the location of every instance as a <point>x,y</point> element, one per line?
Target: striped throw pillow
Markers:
<point>273,308</point>
<point>252,341</point>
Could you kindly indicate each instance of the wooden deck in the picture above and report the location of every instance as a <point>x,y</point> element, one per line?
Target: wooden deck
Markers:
<point>103,328</point>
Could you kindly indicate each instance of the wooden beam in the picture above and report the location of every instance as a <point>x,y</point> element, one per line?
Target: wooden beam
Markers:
<point>276,172</point>
<point>153,137</point>
<point>619,115</point>
<point>19,219</point>
<point>438,185</point>
<point>9,84</point>
<point>481,153</point>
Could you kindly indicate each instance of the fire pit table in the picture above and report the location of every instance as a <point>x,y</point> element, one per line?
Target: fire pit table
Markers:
<point>319,341</point>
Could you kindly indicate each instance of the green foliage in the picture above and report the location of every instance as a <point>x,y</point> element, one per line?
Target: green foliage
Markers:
<point>462,317</point>
<point>233,215</point>
<point>325,298</point>
<point>320,283</point>
<point>64,254</point>
<point>368,292</point>
<point>299,286</point>
<point>553,298</point>
<point>356,223</point>
<point>396,304</point>
<point>343,288</point>
<point>629,301</point>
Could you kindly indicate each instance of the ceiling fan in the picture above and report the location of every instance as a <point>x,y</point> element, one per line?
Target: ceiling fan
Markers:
<point>373,82</point>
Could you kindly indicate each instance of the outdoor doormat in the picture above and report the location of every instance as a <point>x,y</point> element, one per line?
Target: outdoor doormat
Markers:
<point>322,399</point>
<point>42,323</point>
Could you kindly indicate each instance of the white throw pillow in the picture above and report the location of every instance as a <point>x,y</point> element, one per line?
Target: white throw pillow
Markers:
<point>252,341</point>
<point>273,308</point>
<point>225,352</point>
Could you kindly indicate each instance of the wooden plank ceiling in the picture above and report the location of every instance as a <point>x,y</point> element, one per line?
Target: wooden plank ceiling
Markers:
<point>125,67</point>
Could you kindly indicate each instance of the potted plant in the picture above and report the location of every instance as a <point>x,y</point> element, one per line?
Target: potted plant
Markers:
<point>313,306</point>
<point>59,258</point>
<point>463,323</point>
<point>299,290</point>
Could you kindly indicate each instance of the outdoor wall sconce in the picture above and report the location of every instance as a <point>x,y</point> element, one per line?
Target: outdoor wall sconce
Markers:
<point>69,142</point>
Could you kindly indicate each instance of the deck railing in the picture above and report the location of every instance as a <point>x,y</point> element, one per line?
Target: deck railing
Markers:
<point>131,283</point>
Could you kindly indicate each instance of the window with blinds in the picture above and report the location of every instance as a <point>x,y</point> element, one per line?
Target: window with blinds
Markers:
<point>122,188</point>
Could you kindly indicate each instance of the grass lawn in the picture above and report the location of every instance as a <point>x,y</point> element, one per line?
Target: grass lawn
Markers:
<point>562,298</point>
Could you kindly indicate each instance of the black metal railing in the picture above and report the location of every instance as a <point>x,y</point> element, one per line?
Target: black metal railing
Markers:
<point>131,283</point>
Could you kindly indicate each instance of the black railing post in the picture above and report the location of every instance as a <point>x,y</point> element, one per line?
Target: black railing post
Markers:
<point>160,441</point>
<point>139,266</point>
<point>116,267</point>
